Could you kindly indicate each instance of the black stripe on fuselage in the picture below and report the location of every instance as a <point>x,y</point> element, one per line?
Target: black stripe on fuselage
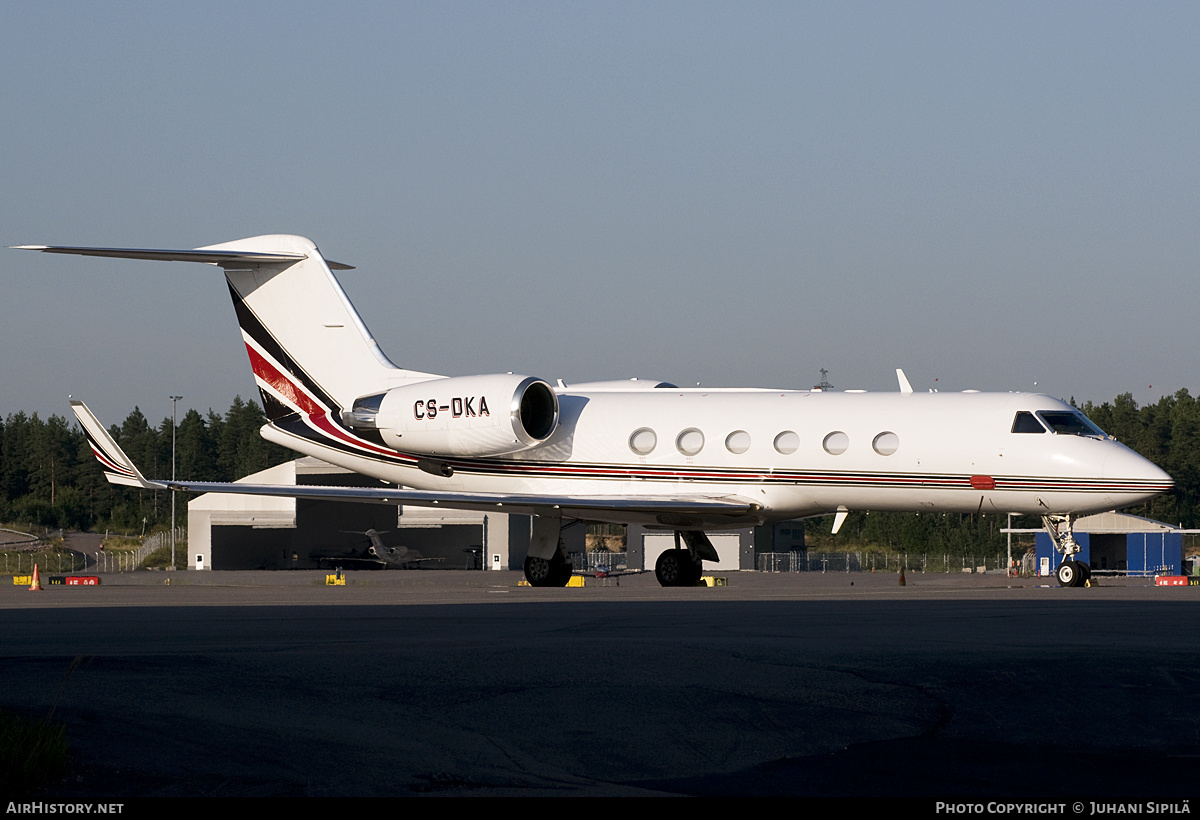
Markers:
<point>296,427</point>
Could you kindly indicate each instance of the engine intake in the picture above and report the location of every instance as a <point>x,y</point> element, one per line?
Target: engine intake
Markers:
<point>462,416</point>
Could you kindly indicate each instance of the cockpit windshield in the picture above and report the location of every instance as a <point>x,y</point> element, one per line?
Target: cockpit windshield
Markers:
<point>1062,422</point>
<point>1070,423</point>
<point>1026,423</point>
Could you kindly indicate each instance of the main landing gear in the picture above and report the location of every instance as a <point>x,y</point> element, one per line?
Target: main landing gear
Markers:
<point>677,568</point>
<point>555,572</point>
<point>547,564</point>
<point>682,567</point>
<point>1070,573</point>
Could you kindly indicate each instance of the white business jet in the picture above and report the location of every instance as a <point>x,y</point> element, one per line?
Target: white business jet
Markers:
<point>651,453</point>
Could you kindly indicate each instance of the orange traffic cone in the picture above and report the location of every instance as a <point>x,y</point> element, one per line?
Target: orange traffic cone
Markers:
<point>902,581</point>
<point>36,586</point>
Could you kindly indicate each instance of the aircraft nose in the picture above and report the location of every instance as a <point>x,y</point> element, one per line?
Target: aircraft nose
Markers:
<point>1136,475</point>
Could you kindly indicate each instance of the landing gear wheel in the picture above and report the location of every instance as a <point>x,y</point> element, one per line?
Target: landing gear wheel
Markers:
<point>675,568</point>
<point>552,573</point>
<point>1070,574</point>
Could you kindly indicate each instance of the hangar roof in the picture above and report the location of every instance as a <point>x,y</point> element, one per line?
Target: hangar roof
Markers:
<point>1119,522</point>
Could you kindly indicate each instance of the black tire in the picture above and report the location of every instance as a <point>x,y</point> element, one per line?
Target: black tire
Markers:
<point>675,568</point>
<point>1068,574</point>
<point>668,569</point>
<point>561,571</point>
<point>542,573</point>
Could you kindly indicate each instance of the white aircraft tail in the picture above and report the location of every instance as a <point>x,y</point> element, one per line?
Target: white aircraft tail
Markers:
<point>309,349</point>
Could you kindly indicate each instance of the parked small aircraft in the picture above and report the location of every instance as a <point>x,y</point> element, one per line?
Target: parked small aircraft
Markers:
<point>682,459</point>
<point>375,556</point>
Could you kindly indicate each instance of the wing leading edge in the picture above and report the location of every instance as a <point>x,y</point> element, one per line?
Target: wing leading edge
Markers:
<point>119,469</point>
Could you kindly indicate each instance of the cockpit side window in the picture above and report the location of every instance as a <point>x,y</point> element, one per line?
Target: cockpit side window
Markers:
<point>1070,423</point>
<point>1026,423</point>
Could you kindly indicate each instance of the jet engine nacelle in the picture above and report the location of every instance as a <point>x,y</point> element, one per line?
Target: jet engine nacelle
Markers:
<point>461,416</point>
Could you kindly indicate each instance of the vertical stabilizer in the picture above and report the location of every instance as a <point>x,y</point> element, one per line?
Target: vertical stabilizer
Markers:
<point>308,347</point>
<point>310,351</point>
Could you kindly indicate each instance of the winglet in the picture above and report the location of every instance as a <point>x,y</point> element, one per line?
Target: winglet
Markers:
<point>905,387</point>
<point>118,469</point>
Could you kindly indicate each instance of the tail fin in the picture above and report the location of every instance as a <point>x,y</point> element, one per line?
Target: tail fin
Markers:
<point>310,351</point>
<point>118,468</point>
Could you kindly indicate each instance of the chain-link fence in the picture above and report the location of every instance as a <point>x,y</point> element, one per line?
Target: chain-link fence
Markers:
<point>810,561</point>
<point>593,561</point>
<point>56,561</point>
<point>130,560</point>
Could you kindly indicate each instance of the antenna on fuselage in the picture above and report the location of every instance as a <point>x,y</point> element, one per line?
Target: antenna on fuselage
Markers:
<point>824,383</point>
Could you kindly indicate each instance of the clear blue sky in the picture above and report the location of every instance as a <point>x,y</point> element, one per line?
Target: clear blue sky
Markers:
<point>986,194</point>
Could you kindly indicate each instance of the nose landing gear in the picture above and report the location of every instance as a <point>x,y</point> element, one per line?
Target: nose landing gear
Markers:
<point>1070,573</point>
<point>1073,573</point>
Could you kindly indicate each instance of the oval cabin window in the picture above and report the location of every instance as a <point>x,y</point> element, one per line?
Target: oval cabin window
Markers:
<point>886,443</point>
<point>787,443</point>
<point>690,441</point>
<point>836,443</point>
<point>737,442</point>
<point>643,441</point>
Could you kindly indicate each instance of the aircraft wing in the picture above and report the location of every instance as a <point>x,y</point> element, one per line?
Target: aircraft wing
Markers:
<point>119,469</point>
<point>569,506</point>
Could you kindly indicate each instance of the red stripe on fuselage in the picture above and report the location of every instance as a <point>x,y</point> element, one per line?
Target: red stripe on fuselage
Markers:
<point>317,416</point>
<point>316,413</point>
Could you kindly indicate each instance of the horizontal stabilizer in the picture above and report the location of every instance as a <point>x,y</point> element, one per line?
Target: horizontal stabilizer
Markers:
<point>222,257</point>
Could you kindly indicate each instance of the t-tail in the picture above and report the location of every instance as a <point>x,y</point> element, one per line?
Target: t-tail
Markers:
<point>310,350</point>
<point>311,353</point>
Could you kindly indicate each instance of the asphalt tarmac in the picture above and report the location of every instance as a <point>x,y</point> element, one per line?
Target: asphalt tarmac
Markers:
<point>457,683</point>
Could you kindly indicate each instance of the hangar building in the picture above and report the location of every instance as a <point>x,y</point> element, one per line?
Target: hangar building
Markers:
<point>228,531</point>
<point>1121,544</point>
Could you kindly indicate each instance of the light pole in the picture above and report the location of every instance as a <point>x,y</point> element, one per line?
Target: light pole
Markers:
<point>1009,568</point>
<point>174,401</point>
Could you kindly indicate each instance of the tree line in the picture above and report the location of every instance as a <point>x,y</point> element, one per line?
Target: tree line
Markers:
<point>48,476</point>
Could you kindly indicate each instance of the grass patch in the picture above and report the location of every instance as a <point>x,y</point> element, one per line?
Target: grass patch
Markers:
<point>161,557</point>
<point>33,754</point>
<point>121,543</point>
